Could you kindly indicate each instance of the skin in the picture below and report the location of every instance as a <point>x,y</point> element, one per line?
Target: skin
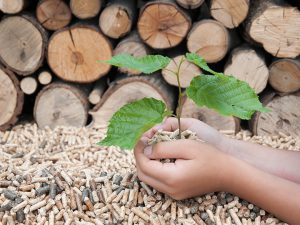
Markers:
<point>266,177</point>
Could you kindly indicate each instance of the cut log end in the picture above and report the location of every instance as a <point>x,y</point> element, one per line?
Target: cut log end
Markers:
<point>22,44</point>
<point>245,64</point>
<point>45,77</point>
<point>71,58</point>
<point>12,6</point>
<point>61,105</point>
<point>230,13</point>
<point>83,9</point>
<point>277,29</point>
<point>28,85</point>
<point>284,117</point>
<point>190,4</point>
<point>11,100</point>
<point>210,39</point>
<point>115,21</point>
<point>53,14</point>
<point>285,75</point>
<point>187,72</point>
<point>163,25</point>
<point>210,117</point>
<point>129,90</point>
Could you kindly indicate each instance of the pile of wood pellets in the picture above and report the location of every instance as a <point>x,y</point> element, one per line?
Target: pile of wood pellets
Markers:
<point>62,177</point>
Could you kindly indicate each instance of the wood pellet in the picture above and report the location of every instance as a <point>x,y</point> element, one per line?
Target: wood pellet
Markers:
<point>61,176</point>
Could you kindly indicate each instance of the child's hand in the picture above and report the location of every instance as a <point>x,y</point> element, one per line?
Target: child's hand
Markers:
<point>199,167</point>
<point>203,131</point>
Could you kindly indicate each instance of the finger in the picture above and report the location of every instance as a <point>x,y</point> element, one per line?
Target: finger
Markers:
<point>152,168</point>
<point>156,184</point>
<point>170,124</point>
<point>179,149</point>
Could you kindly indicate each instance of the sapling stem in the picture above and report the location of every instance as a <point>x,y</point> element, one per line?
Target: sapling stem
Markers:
<point>178,111</point>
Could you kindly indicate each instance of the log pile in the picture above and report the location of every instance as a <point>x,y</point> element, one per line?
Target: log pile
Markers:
<point>49,53</point>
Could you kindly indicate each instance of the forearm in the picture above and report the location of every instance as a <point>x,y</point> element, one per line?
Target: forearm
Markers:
<point>272,193</point>
<point>282,163</point>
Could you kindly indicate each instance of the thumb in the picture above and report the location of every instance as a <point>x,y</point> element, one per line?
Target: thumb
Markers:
<point>178,149</point>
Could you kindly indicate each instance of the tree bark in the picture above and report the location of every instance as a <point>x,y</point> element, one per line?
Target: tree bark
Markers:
<point>28,85</point>
<point>285,75</point>
<point>116,20</point>
<point>128,90</point>
<point>12,6</point>
<point>246,64</point>
<point>53,14</point>
<point>132,45</point>
<point>187,72</point>
<point>11,100</point>
<point>22,44</point>
<point>210,39</point>
<point>162,24</point>
<point>209,116</point>
<point>275,27</point>
<point>83,9</point>
<point>284,117</point>
<point>61,104</point>
<point>230,13</point>
<point>190,4</point>
<point>73,54</point>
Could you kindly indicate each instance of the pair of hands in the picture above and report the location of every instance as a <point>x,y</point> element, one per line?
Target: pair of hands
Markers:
<point>199,166</point>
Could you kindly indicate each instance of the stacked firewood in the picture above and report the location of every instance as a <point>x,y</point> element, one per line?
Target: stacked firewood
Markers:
<point>49,51</point>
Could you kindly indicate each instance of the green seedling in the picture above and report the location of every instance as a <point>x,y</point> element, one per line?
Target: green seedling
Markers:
<point>225,94</point>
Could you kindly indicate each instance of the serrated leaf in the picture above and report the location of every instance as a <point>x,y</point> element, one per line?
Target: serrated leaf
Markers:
<point>225,94</point>
<point>147,64</point>
<point>129,123</point>
<point>199,61</point>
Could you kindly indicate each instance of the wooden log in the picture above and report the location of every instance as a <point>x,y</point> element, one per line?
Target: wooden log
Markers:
<point>187,72</point>
<point>98,90</point>
<point>11,100</point>
<point>230,13</point>
<point>284,117</point>
<point>116,20</point>
<point>28,85</point>
<point>132,45</point>
<point>53,14</point>
<point>162,24</point>
<point>190,4</point>
<point>285,75</point>
<point>60,104</point>
<point>73,53</point>
<point>210,39</point>
<point>246,64</point>
<point>45,77</point>
<point>130,89</point>
<point>210,117</point>
<point>22,44</point>
<point>275,27</point>
<point>83,9</point>
<point>12,6</point>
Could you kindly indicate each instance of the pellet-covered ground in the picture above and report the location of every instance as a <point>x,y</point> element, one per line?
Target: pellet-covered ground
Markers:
<point>61,177</point>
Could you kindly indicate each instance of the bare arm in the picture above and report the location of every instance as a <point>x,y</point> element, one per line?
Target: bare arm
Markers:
<point>282,163</point>
<point>270,192</point>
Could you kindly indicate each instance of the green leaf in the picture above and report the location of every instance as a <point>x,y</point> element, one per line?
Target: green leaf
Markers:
<point>199,61</point>
<point>147,64</point>
<point>129,123</point>
<point>226,95</point>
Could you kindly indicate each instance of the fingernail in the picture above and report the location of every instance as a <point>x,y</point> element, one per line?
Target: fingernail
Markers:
<point>148,150</point>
